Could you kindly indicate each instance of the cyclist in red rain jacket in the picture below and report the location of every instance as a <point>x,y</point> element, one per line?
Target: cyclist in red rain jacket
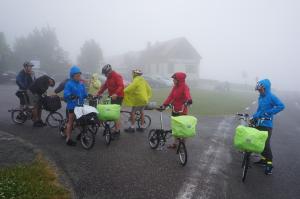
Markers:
<point>115,86</point>
<point>179,97</point>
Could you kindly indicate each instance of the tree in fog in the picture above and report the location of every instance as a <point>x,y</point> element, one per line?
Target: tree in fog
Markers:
<point>5,53</point>
<point>90,56</point>
<point>41,45</point>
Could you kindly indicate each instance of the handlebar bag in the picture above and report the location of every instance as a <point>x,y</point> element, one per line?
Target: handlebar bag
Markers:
<point>109,112</point>
<point>183,126</point>
<point>51,103</point>
<point>250,139</point>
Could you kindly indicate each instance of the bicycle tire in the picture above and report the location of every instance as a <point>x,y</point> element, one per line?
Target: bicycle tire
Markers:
<point>53,119</point>
<point>125,119</point>
<point>182,153</point>
<point>62,127</point>
<point>147,121</point>
<point>18,113</point>
<point>87,138</point>
<point>107,135</point>
<point>246,160</point>
<point>153,138</point>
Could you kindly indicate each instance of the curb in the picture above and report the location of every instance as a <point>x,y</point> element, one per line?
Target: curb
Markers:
<point>62,178</point>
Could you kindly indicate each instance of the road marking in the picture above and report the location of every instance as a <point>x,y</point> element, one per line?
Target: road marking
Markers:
<point>7,139</point>
<point>210,161</point>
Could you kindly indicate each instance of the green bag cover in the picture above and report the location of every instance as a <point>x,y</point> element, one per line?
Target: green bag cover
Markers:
<point>183,126</point>
<point>250,139</point>
<point>108,112</point>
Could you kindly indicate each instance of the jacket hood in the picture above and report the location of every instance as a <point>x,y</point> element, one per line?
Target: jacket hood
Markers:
<point>180,76</point>
<point>74,70</point>
<point>266,83</point>
<point>95,76</point>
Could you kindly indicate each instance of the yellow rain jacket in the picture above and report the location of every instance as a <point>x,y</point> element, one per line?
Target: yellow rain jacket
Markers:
<point>94,84</point>
<point>138,93</point>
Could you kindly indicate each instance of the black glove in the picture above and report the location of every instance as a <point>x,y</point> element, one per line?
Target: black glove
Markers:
<point>188,102</point>
<point>73,97</point>
<point>162,107</point>
<point>253,121</point>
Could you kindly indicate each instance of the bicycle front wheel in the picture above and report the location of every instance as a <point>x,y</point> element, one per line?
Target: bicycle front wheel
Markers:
<point>107,135</point>
<point>87,138</point>
<point>246,161</point>
<point>54,119</point>
<point>18,116</point>
<point>153,139</point>
<point>182,153</point>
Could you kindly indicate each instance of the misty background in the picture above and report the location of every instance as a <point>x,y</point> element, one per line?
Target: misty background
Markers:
<point>237,40</point>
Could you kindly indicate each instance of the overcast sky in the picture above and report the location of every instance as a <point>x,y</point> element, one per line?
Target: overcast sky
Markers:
<point>260,37</point>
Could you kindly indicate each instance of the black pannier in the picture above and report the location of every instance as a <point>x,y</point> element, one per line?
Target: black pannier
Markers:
<point>89,119</point>
<point>51,103</point>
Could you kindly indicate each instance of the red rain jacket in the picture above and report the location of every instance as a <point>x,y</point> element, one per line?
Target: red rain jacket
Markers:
<point>179,95</point>
<point>114,84</point>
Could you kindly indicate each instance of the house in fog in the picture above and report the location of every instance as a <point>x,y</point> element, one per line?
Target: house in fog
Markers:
<point>166,58</point>
<point>161,58</point>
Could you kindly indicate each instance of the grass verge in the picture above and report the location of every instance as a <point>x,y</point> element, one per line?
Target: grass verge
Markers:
<point>207,102</point>
<point>35,180</point>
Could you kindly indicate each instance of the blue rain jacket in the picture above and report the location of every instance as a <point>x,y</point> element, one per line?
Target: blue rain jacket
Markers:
<point>268,105</point>
<point>74,88</point>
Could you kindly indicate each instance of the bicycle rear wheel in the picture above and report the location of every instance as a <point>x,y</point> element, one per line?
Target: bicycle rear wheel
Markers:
<point>18,116</point>
<point>182,153</point>
<point>153,139</point>
<point>54,119</point>
<point>87,138</point>
<point>147,122</point>
<point>125,119</point>
<point>245,165</point>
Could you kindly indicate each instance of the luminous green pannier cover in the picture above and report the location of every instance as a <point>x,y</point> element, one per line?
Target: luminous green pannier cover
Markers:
<point>250,139</point>
<point>183,126</point>
<point>108,112</point>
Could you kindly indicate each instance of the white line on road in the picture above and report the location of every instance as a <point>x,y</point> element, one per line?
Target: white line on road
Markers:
<point>211,161</point>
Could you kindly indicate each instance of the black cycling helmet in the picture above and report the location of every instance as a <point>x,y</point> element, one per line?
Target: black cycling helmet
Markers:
<point>106,69</point>
<point>28,64</point>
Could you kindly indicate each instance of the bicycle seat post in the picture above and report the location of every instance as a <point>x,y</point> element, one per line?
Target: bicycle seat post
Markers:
<point>161,120</point>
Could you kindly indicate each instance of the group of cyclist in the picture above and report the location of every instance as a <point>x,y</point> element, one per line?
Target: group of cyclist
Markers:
<point>136,95</point>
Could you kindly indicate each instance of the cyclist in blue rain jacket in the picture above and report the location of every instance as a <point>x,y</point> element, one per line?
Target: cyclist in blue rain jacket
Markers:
<point>74,95</point>
<point>268,106</point>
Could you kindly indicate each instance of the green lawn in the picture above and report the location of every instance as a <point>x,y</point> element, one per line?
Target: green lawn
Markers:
<point>206,102</point>
<point>36,180</point>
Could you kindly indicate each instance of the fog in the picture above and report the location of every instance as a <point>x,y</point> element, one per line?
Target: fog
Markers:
<point>259,38</point>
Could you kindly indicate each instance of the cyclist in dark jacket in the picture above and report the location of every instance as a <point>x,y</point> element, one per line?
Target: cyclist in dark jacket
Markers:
<point>61,86</point>
<point>24,79</point>
<point>35,92</point>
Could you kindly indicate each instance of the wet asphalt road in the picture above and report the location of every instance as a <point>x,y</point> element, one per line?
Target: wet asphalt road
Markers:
<point>128,168</point>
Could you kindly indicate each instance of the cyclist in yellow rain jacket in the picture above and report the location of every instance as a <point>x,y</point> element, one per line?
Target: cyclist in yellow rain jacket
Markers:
<point>94,84</point>
<point>137,96</point>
